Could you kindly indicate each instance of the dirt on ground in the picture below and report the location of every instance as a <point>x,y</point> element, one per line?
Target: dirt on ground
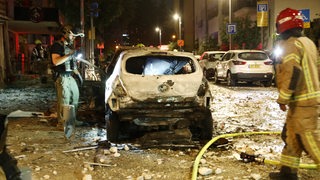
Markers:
<point>43,152</point>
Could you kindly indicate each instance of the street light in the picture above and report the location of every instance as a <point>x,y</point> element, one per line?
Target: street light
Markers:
<point>177,17</point>
<point>159,30</point>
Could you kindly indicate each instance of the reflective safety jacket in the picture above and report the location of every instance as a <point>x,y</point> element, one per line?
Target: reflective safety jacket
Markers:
<point>298,73</point>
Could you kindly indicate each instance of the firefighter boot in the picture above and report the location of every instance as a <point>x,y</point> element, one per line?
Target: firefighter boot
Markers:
<point>284,174</point>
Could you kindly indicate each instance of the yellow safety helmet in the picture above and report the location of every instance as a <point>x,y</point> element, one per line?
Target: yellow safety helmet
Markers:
<point>37,41</point>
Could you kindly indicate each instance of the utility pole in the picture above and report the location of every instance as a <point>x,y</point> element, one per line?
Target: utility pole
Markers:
<point>82,30</point>
<point>230,13</point>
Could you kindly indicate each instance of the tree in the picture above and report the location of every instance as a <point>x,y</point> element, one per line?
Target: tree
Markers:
<point>247,36</point>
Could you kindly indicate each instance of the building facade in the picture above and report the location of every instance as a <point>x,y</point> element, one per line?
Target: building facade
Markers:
<point>5,67</point>
<point>212,16</point>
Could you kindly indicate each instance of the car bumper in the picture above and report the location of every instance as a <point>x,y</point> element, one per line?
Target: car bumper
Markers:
<point>253,76</point>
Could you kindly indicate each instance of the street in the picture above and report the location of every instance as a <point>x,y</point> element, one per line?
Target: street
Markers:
<point>43,151</point>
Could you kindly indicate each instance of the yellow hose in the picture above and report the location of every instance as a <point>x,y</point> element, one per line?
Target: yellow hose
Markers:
<point>266,161</point>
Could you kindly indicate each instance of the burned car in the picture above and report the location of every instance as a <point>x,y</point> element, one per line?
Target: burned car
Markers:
<point>163,93</point>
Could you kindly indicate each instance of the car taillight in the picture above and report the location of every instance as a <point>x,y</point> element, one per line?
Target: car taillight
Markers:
<point>239,62</point>
<point>268,63</point>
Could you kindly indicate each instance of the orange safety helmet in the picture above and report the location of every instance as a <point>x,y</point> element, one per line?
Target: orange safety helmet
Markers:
<point>288,19</point>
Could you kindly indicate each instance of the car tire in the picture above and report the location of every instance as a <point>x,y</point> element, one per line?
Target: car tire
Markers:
<point>205,73</point>
<point>207,126</point>
<point>112,125</point>
<point>230,81</point>
<point>215,78</point>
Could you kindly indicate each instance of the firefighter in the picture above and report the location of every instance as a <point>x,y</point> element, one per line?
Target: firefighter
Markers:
<point>298,85</point>
<point>65,70</point>
<point>39,59</point>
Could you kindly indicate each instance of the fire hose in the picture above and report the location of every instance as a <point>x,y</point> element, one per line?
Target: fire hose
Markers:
<point>90,64</point>
<point>266,161</point>
<point>83,60</point>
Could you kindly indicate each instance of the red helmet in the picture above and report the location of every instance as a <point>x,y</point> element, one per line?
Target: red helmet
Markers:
<point>288,19</point>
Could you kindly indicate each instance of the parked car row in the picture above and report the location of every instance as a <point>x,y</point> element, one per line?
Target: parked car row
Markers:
<point>238,65</point>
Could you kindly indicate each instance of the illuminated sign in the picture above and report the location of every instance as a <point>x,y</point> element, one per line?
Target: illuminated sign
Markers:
<point>262,13</point>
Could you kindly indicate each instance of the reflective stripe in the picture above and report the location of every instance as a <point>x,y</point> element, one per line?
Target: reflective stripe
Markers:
<point>298,44</point>
<point>307,73</point>
<point>290,57</point>
<point>306,96</point>
<point>313,144</point>
<point>284,95</point>
<point>290,161</point>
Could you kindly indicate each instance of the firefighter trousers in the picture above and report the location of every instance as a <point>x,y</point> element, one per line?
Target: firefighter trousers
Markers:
<point>300,133</point>
<point>67,93</point>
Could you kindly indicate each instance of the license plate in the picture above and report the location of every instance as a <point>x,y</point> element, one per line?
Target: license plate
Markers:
<point>254,65</point>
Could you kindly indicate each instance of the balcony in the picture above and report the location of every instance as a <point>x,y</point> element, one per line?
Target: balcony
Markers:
<point>35,20</point>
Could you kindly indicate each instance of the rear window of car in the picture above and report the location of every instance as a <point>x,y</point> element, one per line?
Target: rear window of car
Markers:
<point>159,65</point>
<point>216,56</point>
<point>253,56</point>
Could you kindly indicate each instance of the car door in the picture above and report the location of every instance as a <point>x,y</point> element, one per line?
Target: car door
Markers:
<point>203,60</point>
<point>222,66</point>
<point>213,59</point>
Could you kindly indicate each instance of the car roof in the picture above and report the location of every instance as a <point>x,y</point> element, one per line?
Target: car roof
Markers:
<point>211,52</point>
<point>245,50</point>
<point>155,51</point>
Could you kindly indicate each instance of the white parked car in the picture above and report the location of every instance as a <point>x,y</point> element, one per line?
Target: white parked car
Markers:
<point>208,62</point>
<point>150,91</point>
<point>245,65</point>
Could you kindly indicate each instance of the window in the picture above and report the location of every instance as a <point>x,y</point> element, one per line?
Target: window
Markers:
<point>159,65</point>
<point>253,56</point>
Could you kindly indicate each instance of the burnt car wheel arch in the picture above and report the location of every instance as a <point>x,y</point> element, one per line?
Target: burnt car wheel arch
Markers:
<point>203,130</point>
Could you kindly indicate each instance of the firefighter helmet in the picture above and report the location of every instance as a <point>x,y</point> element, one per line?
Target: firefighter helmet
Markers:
<point>37,41</point>
<point>288,19</point>
<point>66,30</point>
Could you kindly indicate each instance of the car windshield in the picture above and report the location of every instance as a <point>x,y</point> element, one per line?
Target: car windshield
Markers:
<point>159,65</point>
<point>253,56</point>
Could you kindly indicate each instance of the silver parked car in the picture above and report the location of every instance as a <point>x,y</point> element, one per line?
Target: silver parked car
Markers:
<point>153,91</point>
<point>245,65</point>
<point>208,61</point>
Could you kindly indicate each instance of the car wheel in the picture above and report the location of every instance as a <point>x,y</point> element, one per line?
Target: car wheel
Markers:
<point>230,81</point>
<point>215,78</point>
<point>112,124</point>
<point>205,73</point>
<point>207,126</point>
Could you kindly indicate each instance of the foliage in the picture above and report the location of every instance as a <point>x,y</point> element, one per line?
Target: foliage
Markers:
<point>211,44</point>
<point>247,36</point>
<point>314,31</point>
<point>173,45</point>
